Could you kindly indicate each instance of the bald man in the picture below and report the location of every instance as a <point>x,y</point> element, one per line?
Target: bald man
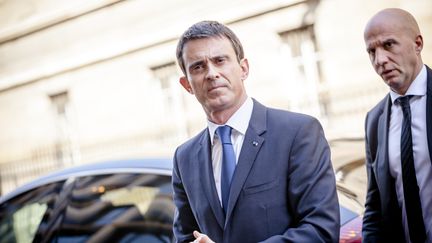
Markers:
<point>399,133</point>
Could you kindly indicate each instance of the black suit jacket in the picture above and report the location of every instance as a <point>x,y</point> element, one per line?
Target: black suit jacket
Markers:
<point>382,220</point>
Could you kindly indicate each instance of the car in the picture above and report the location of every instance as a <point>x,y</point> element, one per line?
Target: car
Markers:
<point>115,201</point>
<point>348,157</point>
<point>351,215</point>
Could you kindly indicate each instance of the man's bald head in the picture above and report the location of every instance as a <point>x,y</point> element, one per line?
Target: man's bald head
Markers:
<point>395,18</point>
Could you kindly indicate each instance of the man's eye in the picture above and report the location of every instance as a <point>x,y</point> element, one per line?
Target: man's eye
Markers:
<point>388,44</point>
<point>220,60</point>
<point>197,67</point>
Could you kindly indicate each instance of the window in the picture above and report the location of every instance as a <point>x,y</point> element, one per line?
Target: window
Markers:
<point>300,48</point>
<point>173,100</point>
<point>60,102</point>
<point>21,217</point>
<point>65,154</point>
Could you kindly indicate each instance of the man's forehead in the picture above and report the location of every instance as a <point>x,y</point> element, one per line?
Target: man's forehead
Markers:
<point>207,47</point>
<point>382,31</point>
<point>381,36</point>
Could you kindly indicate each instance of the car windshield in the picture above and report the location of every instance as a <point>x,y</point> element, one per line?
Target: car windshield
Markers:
<point>103,208</point>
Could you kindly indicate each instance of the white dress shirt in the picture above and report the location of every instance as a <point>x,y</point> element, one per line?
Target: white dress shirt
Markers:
<point>422,160</point>
<point>239,122</point>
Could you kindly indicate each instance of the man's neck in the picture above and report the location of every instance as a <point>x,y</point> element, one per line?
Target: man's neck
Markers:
<point>222,116</point>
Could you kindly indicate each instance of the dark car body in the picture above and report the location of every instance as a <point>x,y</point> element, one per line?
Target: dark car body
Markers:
<point>116,201</point>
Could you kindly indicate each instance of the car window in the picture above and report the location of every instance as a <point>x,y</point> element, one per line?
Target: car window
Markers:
<point>346,215</point>
<point>110,208</point>
<point>350,207</point>
<point>21,216</point>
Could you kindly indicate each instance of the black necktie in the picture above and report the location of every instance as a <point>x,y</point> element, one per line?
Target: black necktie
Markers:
<point>410,188</point>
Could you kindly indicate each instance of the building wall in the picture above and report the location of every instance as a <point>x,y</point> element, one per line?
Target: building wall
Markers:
<point>82,82</point>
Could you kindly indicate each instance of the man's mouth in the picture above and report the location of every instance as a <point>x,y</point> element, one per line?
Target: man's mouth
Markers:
<point>215,87</point>
<point>387,73</point>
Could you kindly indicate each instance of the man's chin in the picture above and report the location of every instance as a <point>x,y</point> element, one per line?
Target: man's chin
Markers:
<point>219,104</point>
<point>397,87</point>
<point>392,82</point>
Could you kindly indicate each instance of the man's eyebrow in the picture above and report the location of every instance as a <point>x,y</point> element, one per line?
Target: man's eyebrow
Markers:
<point>198,62</point>
<point>220,56</point>
<point>392,40</point>
<point>373,45</point>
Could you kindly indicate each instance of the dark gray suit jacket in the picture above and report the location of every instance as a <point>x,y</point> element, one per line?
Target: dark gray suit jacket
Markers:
<point>382,220</point>
<point>283,187</point>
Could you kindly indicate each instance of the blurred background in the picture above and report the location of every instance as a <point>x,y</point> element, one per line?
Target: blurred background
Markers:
<point>84,81</point>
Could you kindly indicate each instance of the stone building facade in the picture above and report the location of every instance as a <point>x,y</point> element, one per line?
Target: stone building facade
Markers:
<point>84,81</point>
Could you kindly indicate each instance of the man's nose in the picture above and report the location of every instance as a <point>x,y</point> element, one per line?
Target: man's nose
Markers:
<point>380,57</point>
<point>212,72</point>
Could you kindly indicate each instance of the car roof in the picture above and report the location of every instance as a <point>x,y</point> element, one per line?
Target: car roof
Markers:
<point>161,166</point>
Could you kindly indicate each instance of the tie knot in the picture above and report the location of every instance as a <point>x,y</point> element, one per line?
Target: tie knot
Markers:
<point>224,133</point>
<point>404,101</point>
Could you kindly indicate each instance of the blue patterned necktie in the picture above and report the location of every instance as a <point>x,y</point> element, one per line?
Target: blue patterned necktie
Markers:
<point>228,162</point>
<point>410,188</point>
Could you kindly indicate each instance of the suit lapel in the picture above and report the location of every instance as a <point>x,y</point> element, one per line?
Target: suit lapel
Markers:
<point>384,179</point>
<point>251,145</point>
<point>207,178</point>
<point>429,110</point>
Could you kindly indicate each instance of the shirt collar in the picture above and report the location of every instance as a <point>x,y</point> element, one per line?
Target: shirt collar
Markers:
<point>239,121</point>
<point>417,87</point>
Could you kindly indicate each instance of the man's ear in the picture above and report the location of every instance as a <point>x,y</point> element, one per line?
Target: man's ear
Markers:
<point>244,64</point>
<point>419,44</point>
<point>186,85</point>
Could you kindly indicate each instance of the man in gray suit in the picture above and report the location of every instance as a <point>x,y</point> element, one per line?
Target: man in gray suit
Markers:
<point>399,134</point>
<point>255,174</point>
